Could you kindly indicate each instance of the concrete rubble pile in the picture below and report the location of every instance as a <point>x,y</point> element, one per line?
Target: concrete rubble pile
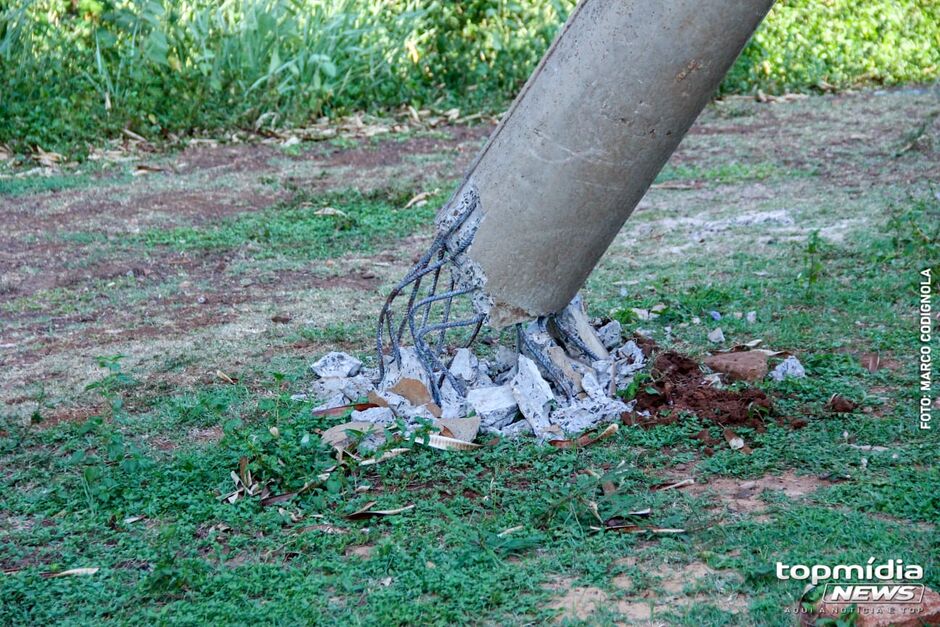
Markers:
<point>508,393</point>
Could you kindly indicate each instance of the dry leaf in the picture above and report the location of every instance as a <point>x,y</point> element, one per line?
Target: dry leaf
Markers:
<point>413,390</point>
<point>279,498</point>
<point>672,486</point>
<point>338,435</point>
<point>331,211</point>
<point>447,444</point>
<point>225,377</point>
<point>366,511</point>
<point>140,169</point>
<point>511,530</point>
<point>418,200</point>
<point>72,572</point>
<point>586,439</point>
<point>395,452</point>
<point>465,429</point>
<point>342,409</point>
<point>324,529</point>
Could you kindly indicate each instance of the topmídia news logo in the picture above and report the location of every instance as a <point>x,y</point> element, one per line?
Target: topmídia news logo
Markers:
<point>889,582</point>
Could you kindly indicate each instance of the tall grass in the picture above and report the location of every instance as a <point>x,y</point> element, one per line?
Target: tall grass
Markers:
<point>72,71</point>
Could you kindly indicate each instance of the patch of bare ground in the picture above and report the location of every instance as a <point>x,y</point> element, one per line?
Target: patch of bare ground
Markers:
<point>678,588</point>
<point>743,497</point>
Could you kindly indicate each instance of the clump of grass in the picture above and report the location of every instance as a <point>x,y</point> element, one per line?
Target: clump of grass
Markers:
<point>76,71</point>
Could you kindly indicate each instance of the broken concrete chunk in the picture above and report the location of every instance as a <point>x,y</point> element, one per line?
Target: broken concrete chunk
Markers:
<point>787,369</point>
<point>453,405</point>
<point>516,429</point>
<point>331,402</point>
<point>610,334</point>
<point>374,415</point>
<point>465,366</point>
<point>336,364</point>
<point>741,366</point>
<point>594,388</point>
<point>533,394</point>
<point>751,317</point>
<point>630,351</point>
<point>584,414</point>
<point>717,336</point>
<point>505,358</point>
<point>566,366</point>
<point>495,405</point>
<point>410,368</point>
<point>464,429</point>
<point>576,322</point>
<point>402,408</point>
<point>353,388</point>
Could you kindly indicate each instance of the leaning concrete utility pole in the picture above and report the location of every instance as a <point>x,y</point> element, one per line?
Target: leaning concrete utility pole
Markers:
<point>584,139</point>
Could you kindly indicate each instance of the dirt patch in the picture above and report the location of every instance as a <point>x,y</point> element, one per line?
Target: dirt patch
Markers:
<point>577,602</point>
<point>681,387</point>
<point>742,496</point>
<point>646,608</point>
<point>387,153</point>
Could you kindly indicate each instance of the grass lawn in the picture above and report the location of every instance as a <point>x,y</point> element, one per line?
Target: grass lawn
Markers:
<point>154,328</point>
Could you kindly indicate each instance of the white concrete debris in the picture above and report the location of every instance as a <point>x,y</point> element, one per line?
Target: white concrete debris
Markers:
<point>505,358</point>
<point>533,395</point>
<point>495,405</point>
<point>576,321</point>
<point>353,388</point>
<point>510,393</point>
<point>789,368</point>
<point>610,334</point>
<point>586,414</point>
<point>717,336</point>
<point>410,368</point>
<point>465,366</point>
<point>336,364</point>
<point>375,415</point>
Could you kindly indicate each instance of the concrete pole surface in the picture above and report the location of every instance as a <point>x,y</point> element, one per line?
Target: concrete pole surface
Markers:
<point>597,120</point>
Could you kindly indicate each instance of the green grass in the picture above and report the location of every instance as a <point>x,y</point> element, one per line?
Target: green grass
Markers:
<point>77,72</point>
<point>307,226</point>
<point>729,173</point>
<point>67,491</point>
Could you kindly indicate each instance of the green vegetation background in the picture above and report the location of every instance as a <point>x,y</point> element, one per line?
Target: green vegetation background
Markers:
<point>72,71</point>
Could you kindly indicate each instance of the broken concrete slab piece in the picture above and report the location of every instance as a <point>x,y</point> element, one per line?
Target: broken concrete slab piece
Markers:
<point>516,429</point>
<point>716,336</point>
<point>611,334</point>
<point>533,394</point>
<point>495,405</point>
<point>336,364</point>
<point>571,378</point>
<point>505,358</point>
<point>336,400</point>
<point>464,429</point>
<point>374,415</point>
<point>584,414</point>
<point>353,388</point>
<point>465,366</point>
<point>741,366</point>
<point>410,367</point>
<point>576,323</point>
<point>789,368</point>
